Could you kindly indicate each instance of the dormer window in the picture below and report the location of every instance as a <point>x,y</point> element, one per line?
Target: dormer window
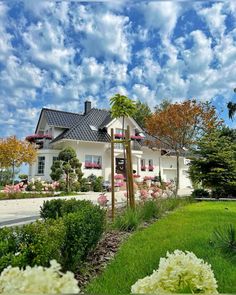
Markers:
<point>93,128</point>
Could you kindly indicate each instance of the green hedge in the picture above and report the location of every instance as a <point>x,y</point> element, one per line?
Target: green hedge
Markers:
<point>68,239</point>
<point>59,207</point>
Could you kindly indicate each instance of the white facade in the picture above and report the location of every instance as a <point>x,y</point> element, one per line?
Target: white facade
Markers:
<point>141,157</point>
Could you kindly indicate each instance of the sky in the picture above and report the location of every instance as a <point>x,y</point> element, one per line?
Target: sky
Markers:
<point>57,54</point>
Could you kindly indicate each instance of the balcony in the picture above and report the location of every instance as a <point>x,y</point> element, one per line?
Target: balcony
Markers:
<point>41,140</point>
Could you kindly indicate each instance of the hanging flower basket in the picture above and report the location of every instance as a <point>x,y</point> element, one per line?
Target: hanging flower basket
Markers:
<point>33,137</point>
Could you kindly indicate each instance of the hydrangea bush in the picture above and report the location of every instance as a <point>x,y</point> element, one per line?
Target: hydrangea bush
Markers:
<point>38,280</point>
<point>180,272</point>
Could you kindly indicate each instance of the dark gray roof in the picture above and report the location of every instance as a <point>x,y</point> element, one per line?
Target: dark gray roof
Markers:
<point>81,127</point>
<point>83,131</point>
<point>62,119</point>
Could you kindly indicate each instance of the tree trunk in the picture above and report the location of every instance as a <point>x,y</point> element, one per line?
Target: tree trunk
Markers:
<point>177,178</point>
<point>13,172</point>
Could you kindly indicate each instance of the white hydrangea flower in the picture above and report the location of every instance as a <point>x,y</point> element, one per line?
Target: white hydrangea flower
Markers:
<point>38,280</point>
<point>179,272</point>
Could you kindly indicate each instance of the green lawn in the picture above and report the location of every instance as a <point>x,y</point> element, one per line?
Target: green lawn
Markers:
<point>189,228</point>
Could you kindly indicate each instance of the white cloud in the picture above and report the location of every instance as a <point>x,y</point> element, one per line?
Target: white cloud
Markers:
<point>5,37</point>
<point>46,46</point>
<point>199,57</point>
<point>161,15</point>
<point>214,18</point>
<point>105,33</point>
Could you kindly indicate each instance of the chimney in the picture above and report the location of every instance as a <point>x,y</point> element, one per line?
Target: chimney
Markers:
<point>87,107</point>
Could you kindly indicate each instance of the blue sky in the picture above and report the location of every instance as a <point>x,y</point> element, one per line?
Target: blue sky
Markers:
<point>58,54</point>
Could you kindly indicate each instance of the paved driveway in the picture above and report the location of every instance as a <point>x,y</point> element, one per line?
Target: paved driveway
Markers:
<point>17,212</point>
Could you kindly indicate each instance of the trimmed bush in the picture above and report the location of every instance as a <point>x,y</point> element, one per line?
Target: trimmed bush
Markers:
<point>51,209</point>
<point>33,244</point>
<point>83,230</point>
<point>67,235</point>
<point>200,193</point>
<point>59,207</point>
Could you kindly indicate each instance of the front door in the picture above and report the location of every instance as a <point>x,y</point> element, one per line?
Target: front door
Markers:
<point>120,166</point>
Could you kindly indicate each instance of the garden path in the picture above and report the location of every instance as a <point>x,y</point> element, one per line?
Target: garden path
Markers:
<point>21,211</point>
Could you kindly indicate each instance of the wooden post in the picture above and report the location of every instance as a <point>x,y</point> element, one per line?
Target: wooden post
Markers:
<point>130,169</point>
<point>112,176</point>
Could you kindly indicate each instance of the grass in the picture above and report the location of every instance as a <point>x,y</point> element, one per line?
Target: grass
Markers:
<point>188,228</point>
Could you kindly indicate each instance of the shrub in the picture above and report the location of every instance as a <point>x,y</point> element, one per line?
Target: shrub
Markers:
<point>128,221</point>
<point>51,209</point>
<point>84,185</point>
<point>200,193</point>
<point>225,239</point>
<point>33,244</point>
<point>97,185</point>
<point>67,239</point>
<point>83,230</point>
<point>59,207</point>
<point>75,187</point>
<point>62,185</point>
<point>38,280</point>
<point>180,272</point>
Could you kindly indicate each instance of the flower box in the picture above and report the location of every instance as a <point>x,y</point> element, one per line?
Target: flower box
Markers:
<point>143,168</point>
<point>118,135</point>
<point>150,168</point>
<point>89,165</point>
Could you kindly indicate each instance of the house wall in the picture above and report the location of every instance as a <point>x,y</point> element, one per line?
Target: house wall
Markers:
<point>118,124</point>
<point>167,163</point>
<point>48,154</point>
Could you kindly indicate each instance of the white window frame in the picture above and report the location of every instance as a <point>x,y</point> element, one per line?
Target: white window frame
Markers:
<point>41,165</point>
<point>93,161</point>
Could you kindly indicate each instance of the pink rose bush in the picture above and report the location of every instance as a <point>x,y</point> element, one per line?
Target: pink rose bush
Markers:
<point>102,200</point>
<point>12,189</point>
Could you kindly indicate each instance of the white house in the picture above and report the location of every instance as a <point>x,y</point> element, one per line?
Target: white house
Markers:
<point>89,134</point>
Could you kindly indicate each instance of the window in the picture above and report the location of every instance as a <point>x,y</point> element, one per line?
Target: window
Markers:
<point>118,146</point>
<point>119,131</point>
<point>150,165</point>
<point>41,164</point>
<point>143,167</point>
<point>54,159</point>
<point>93,162</point>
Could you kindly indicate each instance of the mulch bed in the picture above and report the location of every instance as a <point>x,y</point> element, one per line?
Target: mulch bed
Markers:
<point>100,257</point>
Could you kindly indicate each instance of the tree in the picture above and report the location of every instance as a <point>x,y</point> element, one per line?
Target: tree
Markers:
<point>213,163</point>
<point>231,108</point>
<point>121,107</point>
<point>179,125</point>
<point>5,176</point>
<point>15,152</point>
<point>67,165</point>
<point>141,113</point>
<point>163,105</point>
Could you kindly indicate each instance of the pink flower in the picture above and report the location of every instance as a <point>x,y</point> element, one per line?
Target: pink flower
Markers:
<point>102,200</point>
<point>119,176</point>
<point>143,194</point>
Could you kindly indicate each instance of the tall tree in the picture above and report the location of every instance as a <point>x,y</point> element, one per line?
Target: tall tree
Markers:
<point>231,108</point>
<point>15,152</point>
<point>122,107</point>
<point>179,125</point>
<point>67,165</point>
<point>213,161</point>
<point>141,113</point>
